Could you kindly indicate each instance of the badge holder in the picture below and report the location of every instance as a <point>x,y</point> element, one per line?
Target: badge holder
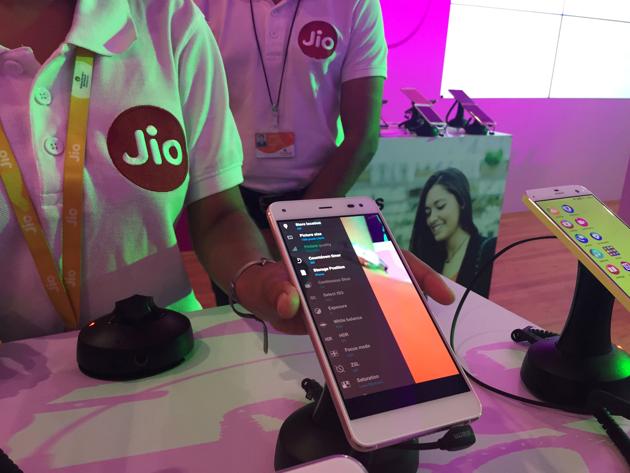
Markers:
<point>314,431</point>
<point>565,369</point>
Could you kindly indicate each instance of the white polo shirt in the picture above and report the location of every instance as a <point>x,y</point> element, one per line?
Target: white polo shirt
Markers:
<point>333,41</point>
<point>157,73</point>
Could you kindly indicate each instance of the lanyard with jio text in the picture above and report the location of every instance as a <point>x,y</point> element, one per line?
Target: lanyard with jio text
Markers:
<point>275,106</point>
<point>65,296</point>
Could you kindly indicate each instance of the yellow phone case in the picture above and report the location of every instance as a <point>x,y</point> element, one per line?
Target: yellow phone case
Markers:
<point>615,290</point>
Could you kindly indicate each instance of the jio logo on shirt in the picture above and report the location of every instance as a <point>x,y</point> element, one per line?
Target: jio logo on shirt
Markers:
<point>318,39</point>
<point>147,146</point>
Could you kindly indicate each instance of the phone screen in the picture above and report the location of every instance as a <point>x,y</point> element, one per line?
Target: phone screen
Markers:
<point>470,106</point>
<point>381,343</point>
<point>415,96</point>
<point>461,96</point>
<point>430,115</point>
<point>599,234</point>
<point>479,114</point>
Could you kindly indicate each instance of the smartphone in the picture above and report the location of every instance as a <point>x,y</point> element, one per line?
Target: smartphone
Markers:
<point>472,108</point>
<point>336,464</point>
<point>390,372</point>
<point>424,106</point>
<point>590,230</point>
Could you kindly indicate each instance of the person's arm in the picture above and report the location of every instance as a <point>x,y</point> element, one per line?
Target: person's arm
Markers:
<point>361,101</point>
<point>225,239</point>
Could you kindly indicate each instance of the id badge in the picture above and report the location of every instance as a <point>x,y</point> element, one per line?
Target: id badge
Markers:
<point>275,144</point>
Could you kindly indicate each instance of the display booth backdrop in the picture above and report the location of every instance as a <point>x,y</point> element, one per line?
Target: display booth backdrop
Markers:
<point>398,172</point>
<point>556,141</point>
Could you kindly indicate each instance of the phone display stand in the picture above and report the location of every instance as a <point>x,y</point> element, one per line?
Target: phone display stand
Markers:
<point>416,123</point>
<point>314,431</point>
<point>470,127</point>
<point>565,369</point>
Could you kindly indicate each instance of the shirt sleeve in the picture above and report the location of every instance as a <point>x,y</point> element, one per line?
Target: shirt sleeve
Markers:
<point>367,51</point>
<point>214,145</point>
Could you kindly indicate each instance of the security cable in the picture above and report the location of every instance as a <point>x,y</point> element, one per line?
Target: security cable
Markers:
<point>600,404</point>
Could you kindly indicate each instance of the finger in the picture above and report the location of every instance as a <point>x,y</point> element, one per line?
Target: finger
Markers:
<point>287,302</point>
<point>430,281</point>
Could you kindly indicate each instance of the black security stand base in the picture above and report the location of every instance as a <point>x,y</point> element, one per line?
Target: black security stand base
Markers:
<point>417,124</point>
<point>314,432</point>
<point>475,128</point>
<point>568,368</point>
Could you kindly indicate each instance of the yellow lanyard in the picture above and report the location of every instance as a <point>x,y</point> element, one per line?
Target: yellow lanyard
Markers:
<point>65,296</point>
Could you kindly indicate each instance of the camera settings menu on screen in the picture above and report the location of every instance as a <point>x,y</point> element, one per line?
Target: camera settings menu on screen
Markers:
<point>374,326</point>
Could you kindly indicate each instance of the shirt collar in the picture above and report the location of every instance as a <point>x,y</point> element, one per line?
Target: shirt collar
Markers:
<point>104,27</point>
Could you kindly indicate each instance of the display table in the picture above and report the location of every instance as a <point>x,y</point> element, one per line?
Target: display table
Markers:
<point>220,411</point>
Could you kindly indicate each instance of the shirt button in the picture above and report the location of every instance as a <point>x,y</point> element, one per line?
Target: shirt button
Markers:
<point>274,34</point>
<point>53,146</point>
<point>275,13</point>
<point>43,96</point>
<point>12,68</point>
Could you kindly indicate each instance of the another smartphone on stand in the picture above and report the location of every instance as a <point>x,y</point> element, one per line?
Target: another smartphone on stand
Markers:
<point>390,372</point>
<point>471,107</point>
<point>424,107</point>
<point>590,230</point>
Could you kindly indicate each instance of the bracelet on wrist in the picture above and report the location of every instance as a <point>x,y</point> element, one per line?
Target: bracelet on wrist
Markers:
<point>234,298</point>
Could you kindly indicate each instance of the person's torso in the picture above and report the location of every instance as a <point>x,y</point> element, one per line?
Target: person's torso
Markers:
<point>310,99</point>
<point>135,181</point>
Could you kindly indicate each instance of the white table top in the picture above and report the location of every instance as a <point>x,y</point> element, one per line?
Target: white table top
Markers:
<point>221,410</point>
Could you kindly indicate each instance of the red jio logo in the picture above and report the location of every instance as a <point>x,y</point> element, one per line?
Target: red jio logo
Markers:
<point>318,39</point>
<point>148,147</point>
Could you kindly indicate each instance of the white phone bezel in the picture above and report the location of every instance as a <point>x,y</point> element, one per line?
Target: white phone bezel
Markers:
<point>391,427</point>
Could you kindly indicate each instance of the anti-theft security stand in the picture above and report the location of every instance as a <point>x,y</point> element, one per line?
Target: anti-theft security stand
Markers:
<point>416,123</point>
<point>314,431</point>
<point>565,369</point>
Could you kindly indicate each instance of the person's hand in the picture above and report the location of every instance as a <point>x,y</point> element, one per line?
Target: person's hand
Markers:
<point>268,293</point>
<point>429,280</point>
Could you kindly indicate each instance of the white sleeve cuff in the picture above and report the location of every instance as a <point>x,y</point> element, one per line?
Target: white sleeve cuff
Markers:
<point>205,186</point>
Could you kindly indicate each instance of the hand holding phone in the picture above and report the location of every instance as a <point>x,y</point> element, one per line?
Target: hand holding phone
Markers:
<point>389,370</point>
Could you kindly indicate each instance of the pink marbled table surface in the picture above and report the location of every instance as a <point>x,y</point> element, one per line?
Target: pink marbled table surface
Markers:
<point>220,411</point>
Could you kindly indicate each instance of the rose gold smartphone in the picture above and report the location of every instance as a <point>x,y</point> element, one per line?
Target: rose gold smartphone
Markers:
<point>390,372</point>
<point>590,230</point>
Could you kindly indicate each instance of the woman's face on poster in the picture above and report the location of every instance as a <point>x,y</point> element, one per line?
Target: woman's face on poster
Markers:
<point>442,212</point>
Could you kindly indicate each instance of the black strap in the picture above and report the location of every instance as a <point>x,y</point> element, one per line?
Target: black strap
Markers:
<point>274,105</point>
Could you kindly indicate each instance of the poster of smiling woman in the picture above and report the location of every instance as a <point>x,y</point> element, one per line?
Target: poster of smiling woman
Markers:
<point>442,198</point>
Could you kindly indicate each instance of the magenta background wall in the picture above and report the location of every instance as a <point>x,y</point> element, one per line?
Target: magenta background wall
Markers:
<point>555,141</point>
